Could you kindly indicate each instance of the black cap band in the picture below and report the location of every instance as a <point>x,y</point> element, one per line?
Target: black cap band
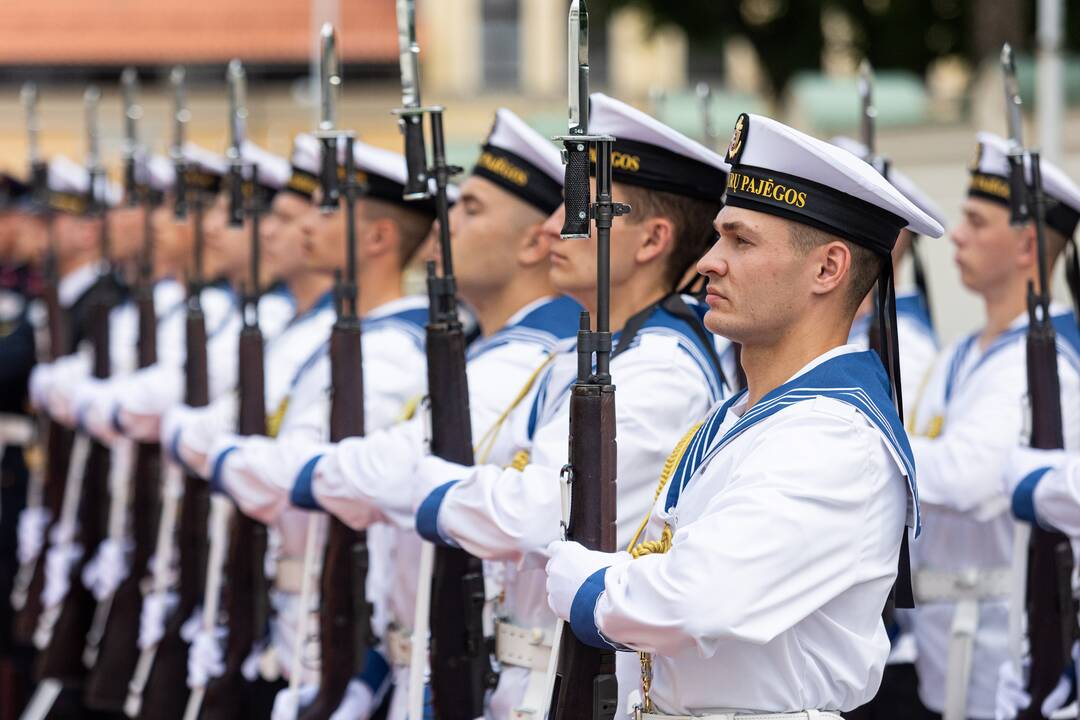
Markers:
<point>814,204</point>
<point>302,183</point>
<point>995,189</point>
<point>68,202</point>
<point>519,177</point>
<point>202,180</point>
<point>379,187</point>
<point>655,168</point>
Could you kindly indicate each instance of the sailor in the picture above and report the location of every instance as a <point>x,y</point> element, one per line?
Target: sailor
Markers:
<point>914,326</point>
<point>771,549</point>
<point>966,424</point>
<point>664,364</point>
<point>501,264</point>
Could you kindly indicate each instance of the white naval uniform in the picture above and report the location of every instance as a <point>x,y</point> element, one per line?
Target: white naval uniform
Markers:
<point>372,480</point>
<point>664,381</point>
<point>918,343</point>
<point>394,373</point>
<point>970,417</point>
<point>139,405</point>
<point>786,522</point>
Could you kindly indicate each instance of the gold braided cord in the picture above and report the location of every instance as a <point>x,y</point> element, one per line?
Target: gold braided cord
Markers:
<point>274,419</point>
<point>640,548</point>
<point>521,459</point>
<point>411,405</point>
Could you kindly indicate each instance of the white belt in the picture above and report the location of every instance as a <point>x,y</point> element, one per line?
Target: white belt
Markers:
<point>289,575</point>
<point>399,646</point>
<point>528,648</point>
<point>801,715</point>
<point>966,588</point>
<point>16,430</point>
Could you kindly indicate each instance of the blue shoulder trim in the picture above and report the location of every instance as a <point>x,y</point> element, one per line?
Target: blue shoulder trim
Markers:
<point>583,611</point>
<point>1023,499</point>
<point>427,515</point>
<point>1066,328</point>
<point>913,306</point>
<point>302,495</point>
<point>545,325</point>
<point>216,485</point>
<point>411,322</point>
<point>376,671</point>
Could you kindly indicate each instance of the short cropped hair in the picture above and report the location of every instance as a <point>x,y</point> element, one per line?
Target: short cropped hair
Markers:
<point>865,264</point>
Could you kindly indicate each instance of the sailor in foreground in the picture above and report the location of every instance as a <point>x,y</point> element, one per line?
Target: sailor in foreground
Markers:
<point>664,363</point>
<point>965,426</point>
<point>771,551</point>
<point>501,263</point>
<point>914,326</point>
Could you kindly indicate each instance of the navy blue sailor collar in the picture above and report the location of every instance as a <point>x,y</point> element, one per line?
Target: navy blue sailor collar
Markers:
<point>545,321</point>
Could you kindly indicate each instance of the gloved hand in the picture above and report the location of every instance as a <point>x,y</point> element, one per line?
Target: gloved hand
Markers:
<point>33,522</point>
<point>59,559</point>
<point>1012,697</point>
<point>108,568</point>
<point>570,565</point>
<point>157,606</point>
<point>40,380</point>
<point>94,406</point>
<point>287,705</point>
<point>1024,460</point>
<point>357,703</point>
<point>206,657</point>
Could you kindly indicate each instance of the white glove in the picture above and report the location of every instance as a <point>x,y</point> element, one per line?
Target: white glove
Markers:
<point>108,568</point>
<point>1011,697</point>
<point>59,559</point>
<point>357,703</point>
<point>570,565</point>
<point>1024,460</point>
<point>33,522</point>
<point>94,405</point>
<point>287,705</point>
<point>40,380</point>
<point>192,626</point>
<point>284,629</point>
<point>206,656</point>
<point>156,607</point>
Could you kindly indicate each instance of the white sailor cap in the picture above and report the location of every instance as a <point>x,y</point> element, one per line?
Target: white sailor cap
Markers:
<point>273,170</point>
<point>649,154</point>
<point>778,170</point>
<point>381,174</point>
<point>898,179</point>
<point>204,168</point>
<point>990,181</point>
<point>160,174</point>
<point>69,187</point>
<point>522,162</point>
<point>305,161</point>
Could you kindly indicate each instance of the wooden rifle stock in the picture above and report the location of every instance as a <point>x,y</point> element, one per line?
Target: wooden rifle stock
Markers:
<point>461,670</point>
<point>244,593</point>
<point>62,657</point>
<point>585,685</point>
<point>166,691</point>
<point>345,613</point>
<point>117,653</point>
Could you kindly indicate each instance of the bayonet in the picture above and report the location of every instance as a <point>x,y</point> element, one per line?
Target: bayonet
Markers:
<point>411,120</point>
<point>91,101</point>
<point>28,95</point>
<point>1019,206</point>
<point>868,116</point>
<point>578,67</point>
<point>129,84</point>
<point>181,116</point>
<point>327,132</point>
<point>237,128</point>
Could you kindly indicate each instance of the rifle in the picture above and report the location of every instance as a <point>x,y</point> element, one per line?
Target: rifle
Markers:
<point>244,595</point>
<point>26,596</point>
<point>64,638</point>
<point>345,633</point>
<point>111,646</point>
<point>1049,604</point>
<point>583,677</point>
<point>162,692</point>
<point>461,669</point>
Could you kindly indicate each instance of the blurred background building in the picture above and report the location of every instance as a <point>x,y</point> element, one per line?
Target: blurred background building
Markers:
<point>694,63</point>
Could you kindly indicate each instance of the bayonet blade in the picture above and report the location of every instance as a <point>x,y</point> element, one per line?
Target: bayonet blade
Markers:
<point>408,53</point>
<point>237,108</point>
<point>1013,103</point>
<point>129,82</point>
<point>578,67</point>
<point>865,84</point>
<point>181,115</point>
<point>329,78</point>
<point>91,99</point>
<point>28,95</point>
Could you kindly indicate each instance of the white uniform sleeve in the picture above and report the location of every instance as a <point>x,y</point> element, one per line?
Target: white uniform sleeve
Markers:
<point>499,514</point>
<point>196,429</point>
<point>962,468</point>
<point>1057,497</point>
<point>145,397</point>
<point>809,513</point>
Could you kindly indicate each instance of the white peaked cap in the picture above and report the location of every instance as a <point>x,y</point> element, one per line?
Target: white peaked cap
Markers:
<point>204,160</point>
<point>306,153</point>
<point>652,155</point>
<point>69,187</point>
<point>781,171</point>
<point>274,170</point>
<point>898,179</point>
<point>990,180</point>
<point>522,162</point>
<point>383,174</point>
<point>160,173</point>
